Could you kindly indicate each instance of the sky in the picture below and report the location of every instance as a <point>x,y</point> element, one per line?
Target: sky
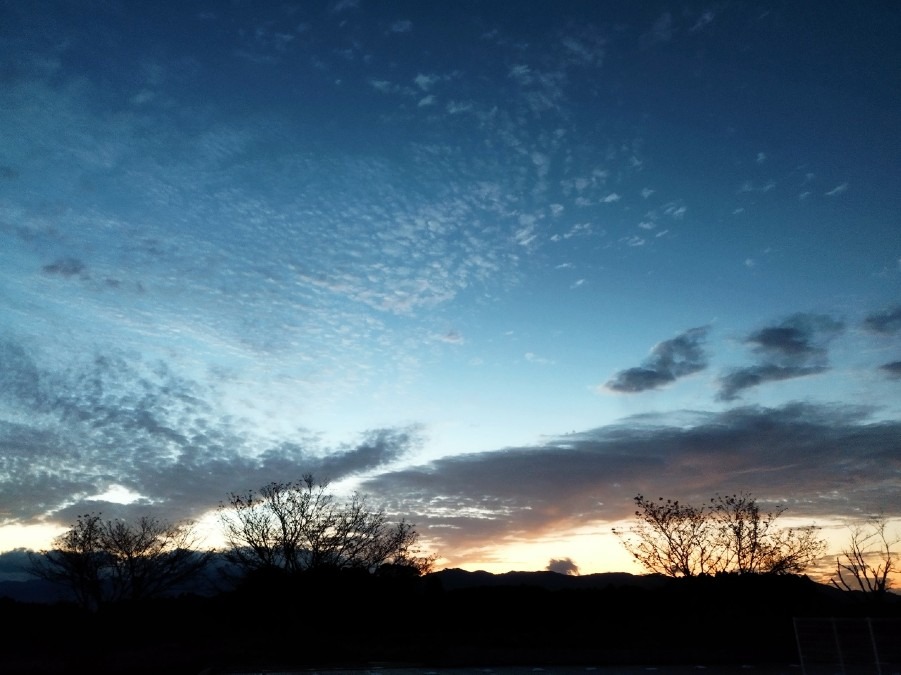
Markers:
<point>499,266</point>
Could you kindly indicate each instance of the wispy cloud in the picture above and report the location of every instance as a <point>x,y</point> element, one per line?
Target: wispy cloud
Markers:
<point>451,337</point>
<point>532,357</point>
<point>457,107</point>
<point>580,52</point>
<point>521,73</point>
<point>425,82</point>
<point>837,190</point>
<point>750,186</point>
<point>660,32</point>
<point>383,86</point>
<point>344,5</point>
<point>675,210</point>
<point>703,20</point>
<point>669,361</point>
<point>402,26</point>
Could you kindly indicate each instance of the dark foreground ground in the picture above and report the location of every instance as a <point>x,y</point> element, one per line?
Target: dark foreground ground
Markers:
<point>455,623</point>
<point>700,669</point>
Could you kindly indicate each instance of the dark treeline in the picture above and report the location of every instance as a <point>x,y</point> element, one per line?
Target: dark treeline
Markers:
<point>351,618</point>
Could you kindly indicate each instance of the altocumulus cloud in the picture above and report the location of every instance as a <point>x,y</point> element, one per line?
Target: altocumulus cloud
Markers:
<point>69,436</point>
<point>669,360</point>
<point>795,347</point>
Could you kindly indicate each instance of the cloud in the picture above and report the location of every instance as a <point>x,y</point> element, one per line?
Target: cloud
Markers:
<point>744,378</point>
<point>563,566</point>
<point>451,337</point>
<point>837,190</point>
<point>669,361</point>
<point>583,54</point>
<point>343,5</point>
<point>531,357</point>
<point>68,436</point>
<point>796,347</point>
<point>799,338</point>
<point>65,267</point>
<point>675,211</point>
<point>887,322</point>
<point>376,448</point>
<point>661,31</point>
<point>458,107</point>
<point>402,26</point>
<point>525,235</point>
<point>521,73</point>
<point>383,86</point>
<point>893,369</point>
<point>425,82</point>
<point>705,18</point>
<point>822,461</point>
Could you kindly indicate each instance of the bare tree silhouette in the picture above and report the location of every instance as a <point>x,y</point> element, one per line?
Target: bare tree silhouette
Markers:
<point>868,561</point>
<point>297,526</point>
<point>729,534</point>
<point>103,561</point>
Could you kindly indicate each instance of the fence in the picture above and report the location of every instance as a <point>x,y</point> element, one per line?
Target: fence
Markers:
<point>849,646</point>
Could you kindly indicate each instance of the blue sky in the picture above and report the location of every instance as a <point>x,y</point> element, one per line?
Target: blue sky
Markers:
<point>499,266</point>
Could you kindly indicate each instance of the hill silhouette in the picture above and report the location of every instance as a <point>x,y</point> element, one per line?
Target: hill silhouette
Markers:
<point>451,618</point>
<point>455,578</point>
